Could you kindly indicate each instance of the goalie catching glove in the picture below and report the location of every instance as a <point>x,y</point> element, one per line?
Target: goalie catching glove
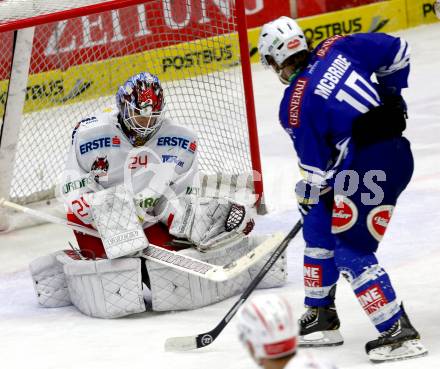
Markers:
<point>207,222</point>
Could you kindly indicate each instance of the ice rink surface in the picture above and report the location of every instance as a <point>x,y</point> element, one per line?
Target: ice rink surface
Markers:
<point>37,338</point>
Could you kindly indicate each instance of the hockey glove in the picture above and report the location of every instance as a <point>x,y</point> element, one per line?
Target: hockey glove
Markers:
<point>208,222</point>
<point>383,122</point>
<point>396,102</point>
<point>307,196</point>
<point>392,97</point>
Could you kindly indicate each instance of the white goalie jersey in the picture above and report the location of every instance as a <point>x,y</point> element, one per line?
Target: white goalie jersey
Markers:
<point>102,157</point>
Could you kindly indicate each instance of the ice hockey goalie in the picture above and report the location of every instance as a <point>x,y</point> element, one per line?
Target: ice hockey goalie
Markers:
<point>132,174</point>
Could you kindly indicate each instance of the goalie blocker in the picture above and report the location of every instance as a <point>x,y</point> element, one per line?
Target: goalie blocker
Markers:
<point>105,288</point>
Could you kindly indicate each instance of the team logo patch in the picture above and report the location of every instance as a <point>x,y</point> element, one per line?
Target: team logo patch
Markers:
<point>100,167</point>
<point>345,214</point>
<point>372,299</point>
<point>312,275</point>
<point>378,220</point>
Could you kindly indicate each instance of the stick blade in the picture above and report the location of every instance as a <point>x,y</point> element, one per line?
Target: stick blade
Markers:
<point>176,344</point>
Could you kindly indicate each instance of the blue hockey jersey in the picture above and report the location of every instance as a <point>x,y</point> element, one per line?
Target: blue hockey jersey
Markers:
<point>346,76</point>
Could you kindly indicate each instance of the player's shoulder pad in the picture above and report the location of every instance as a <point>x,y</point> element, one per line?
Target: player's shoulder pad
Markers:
<point>100,124</point>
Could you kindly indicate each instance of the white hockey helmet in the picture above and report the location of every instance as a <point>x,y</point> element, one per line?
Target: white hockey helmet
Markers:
<point>267,327</point>
<point>280,39</point>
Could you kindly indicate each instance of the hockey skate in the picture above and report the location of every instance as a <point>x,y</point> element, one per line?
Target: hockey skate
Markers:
<point>319,326</point>
<point>400,342</point>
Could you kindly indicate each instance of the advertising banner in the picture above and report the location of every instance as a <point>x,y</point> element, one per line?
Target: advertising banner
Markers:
<point>306,8</point>
<point>70,56</point>
<point>420,12</point>
<point>101,36</point>
<point>385,16</point>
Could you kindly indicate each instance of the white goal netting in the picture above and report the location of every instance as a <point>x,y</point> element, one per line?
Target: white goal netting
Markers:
<point>78,63</point>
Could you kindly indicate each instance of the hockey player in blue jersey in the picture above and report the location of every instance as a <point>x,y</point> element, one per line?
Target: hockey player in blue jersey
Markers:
<point>345,114</point>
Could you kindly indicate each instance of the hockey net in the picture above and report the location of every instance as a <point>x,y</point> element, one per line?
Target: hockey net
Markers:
<point>81,51</point>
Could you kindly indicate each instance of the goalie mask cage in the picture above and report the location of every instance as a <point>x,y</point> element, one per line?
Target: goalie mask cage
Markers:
<point>62,61</point>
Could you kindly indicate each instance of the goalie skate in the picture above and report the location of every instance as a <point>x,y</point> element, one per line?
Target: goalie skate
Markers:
<point>400,342</point>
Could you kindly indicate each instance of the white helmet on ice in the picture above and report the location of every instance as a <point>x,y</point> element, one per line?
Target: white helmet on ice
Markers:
<point>267,327</point>
<point>280,39</point>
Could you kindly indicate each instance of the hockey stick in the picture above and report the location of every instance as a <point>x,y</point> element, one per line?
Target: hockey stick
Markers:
<point>204,339</point>
<point>217,273</point>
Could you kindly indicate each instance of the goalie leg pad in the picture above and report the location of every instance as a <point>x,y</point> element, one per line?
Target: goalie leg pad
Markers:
<point>49,280</point>
<point>277,275</point>
<point>106,288</point>
<point>172,289</point>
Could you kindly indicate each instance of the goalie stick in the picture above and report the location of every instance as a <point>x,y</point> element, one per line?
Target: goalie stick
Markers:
<point>187,343</point>
<point>217,273</point>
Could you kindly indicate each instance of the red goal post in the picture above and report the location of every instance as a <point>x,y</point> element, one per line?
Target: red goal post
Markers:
<point>63,61</point>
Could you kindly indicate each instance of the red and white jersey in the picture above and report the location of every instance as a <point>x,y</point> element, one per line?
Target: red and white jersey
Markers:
<point>305,360</point>
<point>101,156</point>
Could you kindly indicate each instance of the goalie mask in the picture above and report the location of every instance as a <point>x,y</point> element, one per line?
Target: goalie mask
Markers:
<point>267,327</point>
<point>141,106</point>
